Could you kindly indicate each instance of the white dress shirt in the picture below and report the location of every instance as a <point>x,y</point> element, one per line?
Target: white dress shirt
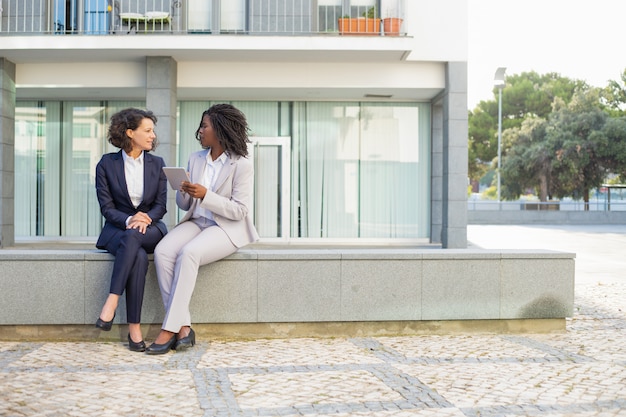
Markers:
<point>133,170</point>
<point>212,171</point>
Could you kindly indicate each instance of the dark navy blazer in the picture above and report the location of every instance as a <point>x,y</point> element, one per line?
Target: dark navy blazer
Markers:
<point>115,203</point>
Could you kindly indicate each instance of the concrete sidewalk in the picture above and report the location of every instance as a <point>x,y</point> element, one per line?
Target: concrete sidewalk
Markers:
<point>580,372</point>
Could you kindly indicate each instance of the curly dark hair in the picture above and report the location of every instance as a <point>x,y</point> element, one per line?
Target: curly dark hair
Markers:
<point>230,126</point>
<point>123,120</point>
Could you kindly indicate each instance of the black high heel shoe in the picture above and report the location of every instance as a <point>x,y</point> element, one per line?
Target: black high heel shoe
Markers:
<point>105,325</point>
<point>186,342</point>
<point>136,346</point>
<point>156,349</point>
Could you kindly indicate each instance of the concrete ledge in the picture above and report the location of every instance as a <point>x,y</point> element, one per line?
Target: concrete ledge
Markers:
<point>294,287</point>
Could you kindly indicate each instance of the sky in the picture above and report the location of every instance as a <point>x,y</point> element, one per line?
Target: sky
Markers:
<point>578,39</point>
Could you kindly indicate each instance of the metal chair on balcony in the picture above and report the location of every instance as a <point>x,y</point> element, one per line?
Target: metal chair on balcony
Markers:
<point>154,18</point>
<point>157,18</point>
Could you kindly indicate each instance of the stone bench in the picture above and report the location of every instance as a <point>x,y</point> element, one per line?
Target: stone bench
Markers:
<point>302,291</point>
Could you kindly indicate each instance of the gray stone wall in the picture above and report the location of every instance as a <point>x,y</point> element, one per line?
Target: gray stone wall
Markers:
<point>7,152</point>
<point>161,99</point>
<point>455,157</point>
<point>304,286</point>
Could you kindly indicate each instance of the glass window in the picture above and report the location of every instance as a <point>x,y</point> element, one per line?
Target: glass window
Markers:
<point>199,15</point>
<point>363,170</point>
<point>57,147</point>
<point>356,171</point>
<point>30,168</point>
<point>328,11</point>
<point>363,8</point>
<point>233,16</point>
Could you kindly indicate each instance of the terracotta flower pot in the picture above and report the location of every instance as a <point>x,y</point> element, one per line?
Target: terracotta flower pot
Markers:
<point>359,26</point>
<point>392,25</point>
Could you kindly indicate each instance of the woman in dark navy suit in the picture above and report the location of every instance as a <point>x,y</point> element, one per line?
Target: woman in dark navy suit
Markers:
<point>132,192</point>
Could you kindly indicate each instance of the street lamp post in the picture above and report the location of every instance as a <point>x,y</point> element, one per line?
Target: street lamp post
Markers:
<point>499,83</point>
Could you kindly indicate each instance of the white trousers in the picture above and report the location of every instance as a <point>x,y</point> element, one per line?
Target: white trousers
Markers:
<point>177,258</point>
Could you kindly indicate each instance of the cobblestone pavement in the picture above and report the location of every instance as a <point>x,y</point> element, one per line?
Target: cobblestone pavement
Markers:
<point>579,372</point>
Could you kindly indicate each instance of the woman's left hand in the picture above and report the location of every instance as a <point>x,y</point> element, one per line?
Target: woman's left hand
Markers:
<point>139,221</point>
<point>141,225</point>
<point>194,190</point>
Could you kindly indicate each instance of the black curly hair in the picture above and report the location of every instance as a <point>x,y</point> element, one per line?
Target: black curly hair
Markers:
<point>230,126</point>
<point>130,118</point>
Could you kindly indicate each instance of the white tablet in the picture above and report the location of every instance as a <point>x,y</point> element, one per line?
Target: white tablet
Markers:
<point>175,176</point>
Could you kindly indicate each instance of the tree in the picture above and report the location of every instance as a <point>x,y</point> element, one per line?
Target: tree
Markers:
<point>528,163</point>
<point>481,142</point>
<point>571,153</point>
<point>575,134</point>
<point>614,96</point>
<point>613,146</point>
<point>526,95</point>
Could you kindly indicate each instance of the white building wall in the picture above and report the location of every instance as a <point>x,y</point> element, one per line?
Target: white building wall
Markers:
<point>295,67</point>
<point>438,30</point>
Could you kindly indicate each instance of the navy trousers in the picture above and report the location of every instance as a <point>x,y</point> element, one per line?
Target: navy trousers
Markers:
<point>131,249</point>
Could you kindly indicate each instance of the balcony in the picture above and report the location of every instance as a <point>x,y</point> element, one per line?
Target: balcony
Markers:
<point>214,17</point>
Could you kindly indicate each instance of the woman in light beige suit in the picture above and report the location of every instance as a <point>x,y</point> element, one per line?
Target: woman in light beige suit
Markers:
<point>217,198</point>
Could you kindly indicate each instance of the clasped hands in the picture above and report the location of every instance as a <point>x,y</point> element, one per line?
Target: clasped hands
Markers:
<point>139,221</point>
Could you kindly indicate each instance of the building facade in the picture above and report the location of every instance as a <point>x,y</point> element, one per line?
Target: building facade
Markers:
<point>357,136</point>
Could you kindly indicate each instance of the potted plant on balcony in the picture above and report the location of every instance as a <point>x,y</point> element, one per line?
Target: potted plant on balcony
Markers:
<point>392,25</point>
<point>368,24</point>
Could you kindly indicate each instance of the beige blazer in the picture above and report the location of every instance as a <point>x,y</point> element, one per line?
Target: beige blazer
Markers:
<point>231,201</point>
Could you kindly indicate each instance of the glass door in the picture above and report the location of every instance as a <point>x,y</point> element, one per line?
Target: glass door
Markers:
<point>64,18</point>
<point>96,17</point>
<point>272,185</point>
<point>199,15</point>
<point>233,16</point>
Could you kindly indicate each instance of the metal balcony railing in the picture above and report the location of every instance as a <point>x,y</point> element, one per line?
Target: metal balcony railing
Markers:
<point>596,204</point>
<point>250,17</point>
